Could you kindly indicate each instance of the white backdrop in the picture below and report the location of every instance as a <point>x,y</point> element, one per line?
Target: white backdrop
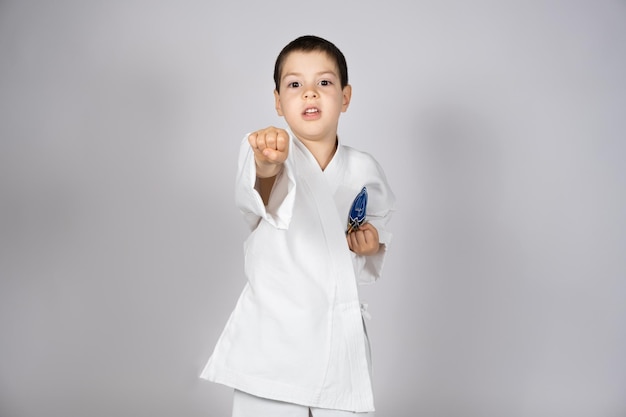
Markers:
<point>500,126</point>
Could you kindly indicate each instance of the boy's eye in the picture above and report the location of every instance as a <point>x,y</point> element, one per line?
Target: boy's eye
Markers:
<point>293,84</point>
<point>325,82</point>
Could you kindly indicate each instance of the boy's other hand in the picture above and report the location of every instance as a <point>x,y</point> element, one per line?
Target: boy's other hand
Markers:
<point>271,147</point>
<point>364,240</point>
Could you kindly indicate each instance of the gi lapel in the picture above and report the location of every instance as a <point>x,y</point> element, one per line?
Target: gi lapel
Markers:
<point>333,227</point>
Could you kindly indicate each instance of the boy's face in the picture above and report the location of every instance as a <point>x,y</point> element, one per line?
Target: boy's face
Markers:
<point>311,98</point>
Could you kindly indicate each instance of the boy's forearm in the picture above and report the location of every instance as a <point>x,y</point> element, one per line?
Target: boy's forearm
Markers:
<point>266,174</point>
<point>264,187</point>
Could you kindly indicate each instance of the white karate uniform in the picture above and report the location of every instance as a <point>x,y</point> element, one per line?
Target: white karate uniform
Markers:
<point>296,333</point>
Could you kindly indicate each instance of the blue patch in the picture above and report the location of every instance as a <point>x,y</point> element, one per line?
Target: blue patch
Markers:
<point>357,212</point>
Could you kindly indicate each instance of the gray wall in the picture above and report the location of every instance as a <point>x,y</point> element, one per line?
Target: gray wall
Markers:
<point>501,128</point>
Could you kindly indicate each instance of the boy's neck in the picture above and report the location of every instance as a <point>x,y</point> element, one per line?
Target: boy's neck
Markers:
<point>322,151</point>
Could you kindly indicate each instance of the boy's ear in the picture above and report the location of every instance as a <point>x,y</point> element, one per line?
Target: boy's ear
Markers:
<point>277,103</point>
<point>347,95</point>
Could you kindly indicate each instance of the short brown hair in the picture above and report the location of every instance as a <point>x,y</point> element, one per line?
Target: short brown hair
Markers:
<point>310,43</point>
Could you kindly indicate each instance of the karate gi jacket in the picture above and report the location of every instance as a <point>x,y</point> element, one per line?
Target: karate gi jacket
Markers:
<point>296,333</point>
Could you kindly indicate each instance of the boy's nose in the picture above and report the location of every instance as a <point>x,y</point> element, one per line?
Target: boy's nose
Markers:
<point>310,94</point>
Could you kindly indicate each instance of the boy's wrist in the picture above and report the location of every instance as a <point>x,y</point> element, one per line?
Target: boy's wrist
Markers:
<point>267,169</point>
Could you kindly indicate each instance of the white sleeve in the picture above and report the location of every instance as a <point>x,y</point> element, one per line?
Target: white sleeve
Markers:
<point>381,206</point>
<point>280,206</point>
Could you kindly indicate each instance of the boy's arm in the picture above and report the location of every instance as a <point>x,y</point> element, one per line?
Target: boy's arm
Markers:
<point>372,239</point>
<point>257,158</point>
<point>370,244</point>
<point>264,187</point>
<point>271,148</point>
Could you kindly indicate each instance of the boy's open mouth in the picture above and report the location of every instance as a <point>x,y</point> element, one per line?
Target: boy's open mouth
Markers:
<point>311,110</point>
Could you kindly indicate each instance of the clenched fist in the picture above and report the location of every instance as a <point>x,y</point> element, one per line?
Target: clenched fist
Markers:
<point>364,240</point>
<point>271,147</point>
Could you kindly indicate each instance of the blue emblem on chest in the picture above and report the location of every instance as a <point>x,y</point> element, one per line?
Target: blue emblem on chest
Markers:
<point>357,212</point>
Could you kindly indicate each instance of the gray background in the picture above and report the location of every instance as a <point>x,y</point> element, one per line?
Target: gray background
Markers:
<point>500,126</point>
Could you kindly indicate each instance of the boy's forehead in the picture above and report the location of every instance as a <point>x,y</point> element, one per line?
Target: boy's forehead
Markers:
<point>297,62</point>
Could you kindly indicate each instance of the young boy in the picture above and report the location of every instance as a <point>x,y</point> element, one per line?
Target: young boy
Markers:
<point>295,343</point>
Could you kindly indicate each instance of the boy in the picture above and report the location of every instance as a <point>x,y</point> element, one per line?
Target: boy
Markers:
<point>295,343</point>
